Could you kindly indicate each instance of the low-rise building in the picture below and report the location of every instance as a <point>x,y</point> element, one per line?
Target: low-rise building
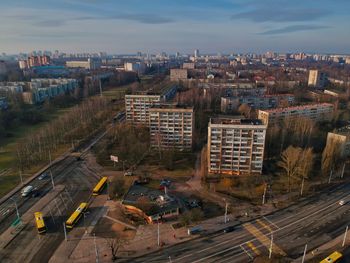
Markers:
<point>236,146</point>
<point>153,205</point>
<point>340,138</point>
<point>258,102</point>
<point>90,64</point>
<point>316,112</point>
<point>171,127</point>
<point>178,74</point>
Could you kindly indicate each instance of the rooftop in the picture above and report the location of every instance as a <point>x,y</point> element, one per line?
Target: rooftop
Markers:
<point>300,107</point>
<point>172,107</point>
<point>235,121</point>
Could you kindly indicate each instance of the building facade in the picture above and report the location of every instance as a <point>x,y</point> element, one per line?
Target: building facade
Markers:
<point>341,137</point>
<point>236,146</point>
<point>137,107</point>
<point>171,127</point>
<point>258,102</point>
<point>90,64</point>
<point>177,74</point>
<point>315,112</point>
<point>317,79</point>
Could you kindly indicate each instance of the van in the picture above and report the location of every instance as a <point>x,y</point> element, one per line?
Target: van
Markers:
<point>194,230</point>
<point>27,190</point>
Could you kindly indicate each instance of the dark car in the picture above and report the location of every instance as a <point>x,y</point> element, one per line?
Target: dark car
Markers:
<point>229,229</point>
<point>42,176</point>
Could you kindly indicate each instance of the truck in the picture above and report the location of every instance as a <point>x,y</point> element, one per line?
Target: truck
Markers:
<point>27,190</point>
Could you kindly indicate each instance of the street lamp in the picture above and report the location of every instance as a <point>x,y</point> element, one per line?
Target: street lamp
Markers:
<point>15,206</point>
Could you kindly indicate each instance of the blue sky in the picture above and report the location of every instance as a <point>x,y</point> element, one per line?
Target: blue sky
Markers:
<point>128,26</point>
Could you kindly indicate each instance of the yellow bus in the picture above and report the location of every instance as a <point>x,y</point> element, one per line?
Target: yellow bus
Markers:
<point>40,224</point>
<point>334,257</point>
<point>74,218</point>
<point>100,185</point>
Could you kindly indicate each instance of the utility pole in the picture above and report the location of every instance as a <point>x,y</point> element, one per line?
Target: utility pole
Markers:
<point>303,259</point>
<point>15,206</point>
<point>52,182</point>
<point>226,206</point>
<point>96,251</point>
<point>342,172</point>
<point>346,232</point>
<point>20,176</point>
<point>100,88</point>
<point>65,231</point>
<point>264,195</point>
<point>330,176</point>
<point>271,244</point>
<point>302,186</point>
<point>158,235</point>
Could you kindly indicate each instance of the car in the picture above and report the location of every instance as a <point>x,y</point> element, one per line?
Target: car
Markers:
<point>229,229</point>
<point>341,202</point>
<point>128,173</point>
<point>42,176</point>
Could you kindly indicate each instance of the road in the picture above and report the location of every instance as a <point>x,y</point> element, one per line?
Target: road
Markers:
<point>313,221</point>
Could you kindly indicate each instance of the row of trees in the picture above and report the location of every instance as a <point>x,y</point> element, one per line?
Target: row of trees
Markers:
<point>73,126</point>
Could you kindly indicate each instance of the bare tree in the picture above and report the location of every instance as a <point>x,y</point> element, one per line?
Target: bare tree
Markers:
<point>290,163</point>
<point>331,156</point>
<point>114,244</point>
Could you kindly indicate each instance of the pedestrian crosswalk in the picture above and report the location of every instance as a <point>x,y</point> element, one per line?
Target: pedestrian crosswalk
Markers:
<point>262,230</point>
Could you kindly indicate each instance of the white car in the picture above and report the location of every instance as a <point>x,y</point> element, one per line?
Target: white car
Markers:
<point>341,202</point>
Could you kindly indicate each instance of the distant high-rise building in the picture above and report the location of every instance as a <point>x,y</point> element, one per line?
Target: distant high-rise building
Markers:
<point>317,79</point>
<point>34,61</point>
<point>236,146</point>
<point>196,53</point>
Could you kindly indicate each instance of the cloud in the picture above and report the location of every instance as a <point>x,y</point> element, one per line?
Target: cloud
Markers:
<point>50,23</point>
<point>291,29</point>
<point>144,18</point>
<point>264,14</point>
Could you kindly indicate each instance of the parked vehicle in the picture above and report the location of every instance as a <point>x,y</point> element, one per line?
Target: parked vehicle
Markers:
<point>128,173</point>
<point>27,190</point>
<point>229,229</point>
<point>42,176</point>
<point>194,230</point>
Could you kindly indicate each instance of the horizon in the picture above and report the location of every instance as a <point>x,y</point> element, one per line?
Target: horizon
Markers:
<point>225,26</point>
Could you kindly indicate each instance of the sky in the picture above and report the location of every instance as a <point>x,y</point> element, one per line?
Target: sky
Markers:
<point>153,26</point>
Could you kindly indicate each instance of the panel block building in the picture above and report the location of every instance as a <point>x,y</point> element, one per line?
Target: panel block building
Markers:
<point>316,112</point>
<point>171,127</point>
<point>236,146</point>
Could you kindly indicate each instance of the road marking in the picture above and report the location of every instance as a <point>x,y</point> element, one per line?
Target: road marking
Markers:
<point>264,225</point>
<point>268,220</point>
<point>280,228</point>
<point>254,248</point>
<point>246,252</point>
<point>262,238</point>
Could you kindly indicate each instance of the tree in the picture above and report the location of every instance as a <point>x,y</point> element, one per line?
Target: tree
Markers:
<point>331,156</point>
<point>116,188</point>
<point>114,244</point>
<point>245,110</point>
<point>289,163</point>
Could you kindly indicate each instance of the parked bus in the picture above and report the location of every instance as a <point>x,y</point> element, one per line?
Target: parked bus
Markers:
<point>40,224</point>
<point>74,218</point>
<point>334,257</point>
<point>100,185</point>
<point>27,190</point>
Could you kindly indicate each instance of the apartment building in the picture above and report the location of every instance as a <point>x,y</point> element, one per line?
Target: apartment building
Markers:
<point>171,126</point>
<point>316,112</point>
<point>317,79</point>
<point>341,137</point>
<point>258,102</point>
<point>89,64</point>
<point>236,146</point>
<point>137,105</point>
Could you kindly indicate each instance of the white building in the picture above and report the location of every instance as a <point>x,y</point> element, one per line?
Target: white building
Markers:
<point>236,146</point>
<point>171,127</point>
<point>138,67</point>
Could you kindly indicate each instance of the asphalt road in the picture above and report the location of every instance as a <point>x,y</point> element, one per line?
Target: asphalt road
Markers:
<point>313,221</point>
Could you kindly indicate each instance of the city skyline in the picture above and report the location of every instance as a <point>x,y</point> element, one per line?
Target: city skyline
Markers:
<point>126,27</point>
